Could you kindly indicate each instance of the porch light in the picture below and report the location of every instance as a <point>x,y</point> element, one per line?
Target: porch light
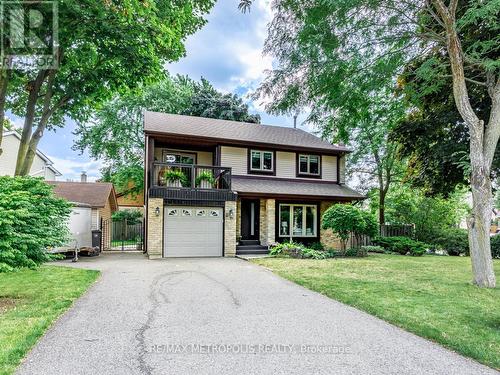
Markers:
<point>230,213</point>
<point>157,211</point>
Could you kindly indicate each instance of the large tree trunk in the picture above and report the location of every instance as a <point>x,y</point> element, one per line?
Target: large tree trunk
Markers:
<point>42,124</point>
<point>34,91</point>
<point>479,224</point>
<point>482,142</point>
<point>4,82</point>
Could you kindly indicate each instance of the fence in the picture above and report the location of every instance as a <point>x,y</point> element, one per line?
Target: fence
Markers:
<point>121,235</point>
<point>385,230</point>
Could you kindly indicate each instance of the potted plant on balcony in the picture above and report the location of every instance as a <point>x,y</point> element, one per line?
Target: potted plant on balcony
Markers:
<point>175,178</point>
<point>205,180</point>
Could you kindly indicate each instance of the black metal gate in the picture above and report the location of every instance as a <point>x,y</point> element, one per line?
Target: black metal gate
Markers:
<point>121,235</point>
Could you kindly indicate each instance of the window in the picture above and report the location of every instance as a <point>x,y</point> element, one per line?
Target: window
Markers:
<point>261,161</point>
<point>297,220</point>
<point>170,156</point>
<point>309,165</point>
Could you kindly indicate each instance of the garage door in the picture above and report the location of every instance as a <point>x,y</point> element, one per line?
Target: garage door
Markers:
<point>193,231</point>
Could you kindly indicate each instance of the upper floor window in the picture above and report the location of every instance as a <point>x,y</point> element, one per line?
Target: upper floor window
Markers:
<point>261,161</point>
<point>309,165</point>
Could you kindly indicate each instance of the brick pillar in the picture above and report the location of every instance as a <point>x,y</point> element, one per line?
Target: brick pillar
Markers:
<point>155,228</point>
<point>230,229</point>
<point>270,221</point>
<point>238,219</point>
<point>263,222</point>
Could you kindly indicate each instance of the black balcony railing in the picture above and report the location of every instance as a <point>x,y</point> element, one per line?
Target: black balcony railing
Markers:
<point>172,175</point>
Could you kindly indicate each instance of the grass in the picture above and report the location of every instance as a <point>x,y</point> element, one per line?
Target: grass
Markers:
<point>430,296</point>
<point>32,300</point>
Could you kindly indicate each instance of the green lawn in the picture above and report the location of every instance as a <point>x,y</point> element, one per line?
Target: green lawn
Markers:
<point>30,301</point>
<point>430,296</point>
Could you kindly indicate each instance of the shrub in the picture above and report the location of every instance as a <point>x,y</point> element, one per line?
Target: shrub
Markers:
<point>454,241</point>
<point>344,219</point>
<point>402,245</point>
<point>317,246</point>
<point>495,246</point>
<point>32,219</point>
<point>131,216</point>
<point>297,250</point>
<point>287,249</point>
<point>314,254</point>
<point>352,252</point>
<point>373,249</point>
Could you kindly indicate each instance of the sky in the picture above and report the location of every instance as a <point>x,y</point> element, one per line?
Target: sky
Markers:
<point>227,51</point>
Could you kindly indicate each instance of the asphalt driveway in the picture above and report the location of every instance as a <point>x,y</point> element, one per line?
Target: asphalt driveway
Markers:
<point>223,316</point>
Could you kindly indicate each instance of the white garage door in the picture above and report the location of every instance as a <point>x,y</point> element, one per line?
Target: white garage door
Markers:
<point>193,231</point>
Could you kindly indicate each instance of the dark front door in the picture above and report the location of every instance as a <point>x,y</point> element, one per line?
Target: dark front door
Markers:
<point>250,221</point>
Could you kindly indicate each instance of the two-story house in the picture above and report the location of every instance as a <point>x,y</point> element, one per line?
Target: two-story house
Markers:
<point>220,188</point>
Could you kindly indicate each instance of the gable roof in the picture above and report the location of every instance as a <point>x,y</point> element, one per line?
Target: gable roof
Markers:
<point>44,157</point>
<point>95,194</point>
<point>234,132</point>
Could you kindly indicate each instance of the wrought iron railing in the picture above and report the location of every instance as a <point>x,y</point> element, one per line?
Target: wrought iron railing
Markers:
<point>191,176</point>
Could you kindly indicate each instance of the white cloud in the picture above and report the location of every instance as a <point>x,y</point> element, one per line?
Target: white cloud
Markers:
<point>72,169</point>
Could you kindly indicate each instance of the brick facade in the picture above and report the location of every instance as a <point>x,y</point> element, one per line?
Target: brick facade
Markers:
<point>230,229</point>
<point>155,228</point>
<point>270,221</point>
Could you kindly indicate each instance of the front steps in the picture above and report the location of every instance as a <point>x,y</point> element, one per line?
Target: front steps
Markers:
<point>251,247</point>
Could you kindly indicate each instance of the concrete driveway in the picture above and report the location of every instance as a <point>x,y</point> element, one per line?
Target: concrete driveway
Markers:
<point>223,316</point>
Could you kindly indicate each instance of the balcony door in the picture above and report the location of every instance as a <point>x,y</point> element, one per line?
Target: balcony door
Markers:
<point>250,219</point>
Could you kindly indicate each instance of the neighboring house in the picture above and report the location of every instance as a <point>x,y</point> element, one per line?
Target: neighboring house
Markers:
<point>42,165</point>
<point>129,200</point>
<point>99,196</point>
<point>244,186</point>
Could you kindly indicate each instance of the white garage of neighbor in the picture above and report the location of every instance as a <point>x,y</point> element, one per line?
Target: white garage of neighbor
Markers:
<point>193,231</point>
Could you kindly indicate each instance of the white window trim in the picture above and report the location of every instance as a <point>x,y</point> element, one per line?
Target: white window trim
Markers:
<point>308,156</point>
<point>290,224</point>
<point>261,169</point>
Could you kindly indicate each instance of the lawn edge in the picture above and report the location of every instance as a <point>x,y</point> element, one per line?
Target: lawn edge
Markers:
<point>444,346</point>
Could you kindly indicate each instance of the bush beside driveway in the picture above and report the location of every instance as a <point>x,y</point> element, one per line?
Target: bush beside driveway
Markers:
<point>430,296</point>
<point>30,301</point>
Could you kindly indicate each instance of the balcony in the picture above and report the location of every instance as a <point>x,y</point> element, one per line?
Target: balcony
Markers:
<point>190,183</point>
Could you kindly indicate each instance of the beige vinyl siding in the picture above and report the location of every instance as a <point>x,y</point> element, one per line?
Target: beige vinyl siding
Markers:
<point>202,157</point>
<point>285,164</point>
<point>329,168</point>
<point>236,158</point>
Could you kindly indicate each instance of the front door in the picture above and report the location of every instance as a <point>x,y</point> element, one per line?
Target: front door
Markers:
<point>250,220</point>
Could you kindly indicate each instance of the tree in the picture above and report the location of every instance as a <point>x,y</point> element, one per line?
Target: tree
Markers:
<point>115,133</point>
<point>374,155</point>
<point>98,41</point>
<point>332,51</point>
<point>431,216</point>
<point>346,219</point>
<point>32,220</point>
<point>206,101</point>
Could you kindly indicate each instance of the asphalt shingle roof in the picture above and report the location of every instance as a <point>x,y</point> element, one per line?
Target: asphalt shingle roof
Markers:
<point>95,194</point>
<point>228,131</point>
<point>302,188</point>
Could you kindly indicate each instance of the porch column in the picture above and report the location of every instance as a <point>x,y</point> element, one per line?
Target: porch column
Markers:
<point>230,229</point>
<point>270,221</point>
<point>263,222</point>
<point>155,228</point>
